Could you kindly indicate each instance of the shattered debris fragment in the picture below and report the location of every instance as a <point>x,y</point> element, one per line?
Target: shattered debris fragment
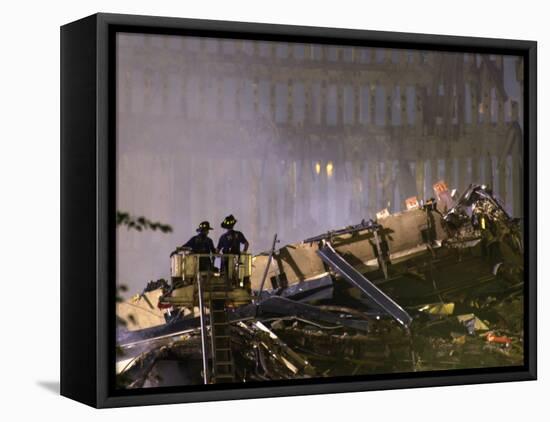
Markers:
<point>438,308</point>
<point>492,338</point>
<point>472,323</point>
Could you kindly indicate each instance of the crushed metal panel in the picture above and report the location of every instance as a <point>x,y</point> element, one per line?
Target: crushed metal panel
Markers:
<point>297,261</point>
<point>311,290</point>
<point>401,232</point>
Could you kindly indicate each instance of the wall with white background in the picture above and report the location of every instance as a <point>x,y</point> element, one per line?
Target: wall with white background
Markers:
<point>29,209</point>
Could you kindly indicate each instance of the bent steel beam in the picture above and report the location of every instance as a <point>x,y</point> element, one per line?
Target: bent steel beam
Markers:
<point>354,277</point>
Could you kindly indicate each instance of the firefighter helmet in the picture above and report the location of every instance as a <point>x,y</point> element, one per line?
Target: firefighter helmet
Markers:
<point>228,222</point>
<point>205,225</point>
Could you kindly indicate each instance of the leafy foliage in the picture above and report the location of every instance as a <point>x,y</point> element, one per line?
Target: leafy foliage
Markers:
<point>121,288</point>
<point>140,223</point>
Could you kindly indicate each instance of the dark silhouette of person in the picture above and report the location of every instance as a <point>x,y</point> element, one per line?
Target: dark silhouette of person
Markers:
<point>202,244</point>
<point>230,242</point>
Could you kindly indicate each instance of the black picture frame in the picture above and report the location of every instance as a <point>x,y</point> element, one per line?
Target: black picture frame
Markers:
<point>88,217</point>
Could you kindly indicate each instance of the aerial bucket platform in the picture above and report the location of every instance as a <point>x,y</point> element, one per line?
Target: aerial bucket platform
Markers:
<point>197,282</point>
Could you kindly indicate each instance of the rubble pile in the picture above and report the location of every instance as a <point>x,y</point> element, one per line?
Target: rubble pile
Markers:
<point>437,287</point>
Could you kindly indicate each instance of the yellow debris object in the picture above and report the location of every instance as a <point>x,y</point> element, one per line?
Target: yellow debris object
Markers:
<point>439,308</point>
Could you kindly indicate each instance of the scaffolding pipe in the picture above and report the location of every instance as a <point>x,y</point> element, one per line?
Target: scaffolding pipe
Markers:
<point>203,330</point>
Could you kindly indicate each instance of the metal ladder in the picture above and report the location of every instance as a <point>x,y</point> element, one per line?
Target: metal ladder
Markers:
<point>223,369</point>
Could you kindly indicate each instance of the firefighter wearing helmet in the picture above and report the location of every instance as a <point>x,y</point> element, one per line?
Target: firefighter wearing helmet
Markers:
<point>230,242</point>
<point>202,244</point>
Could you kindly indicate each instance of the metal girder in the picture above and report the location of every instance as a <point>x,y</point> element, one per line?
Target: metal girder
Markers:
<point>351,275</point>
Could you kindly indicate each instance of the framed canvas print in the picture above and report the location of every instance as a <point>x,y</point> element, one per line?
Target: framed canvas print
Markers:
<point>254,210</point>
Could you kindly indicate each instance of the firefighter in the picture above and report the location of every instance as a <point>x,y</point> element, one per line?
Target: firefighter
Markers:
<point>202,244</point>
<point>230,242</point>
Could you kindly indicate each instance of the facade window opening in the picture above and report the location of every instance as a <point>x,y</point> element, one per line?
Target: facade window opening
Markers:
<point>332,105</point>
<point>348,105</point>
<point>298,102</point>
<point>264,99</point>
<point>316,52</point>
<point>380,106</point>
<point>316,102</point>
<point>364,55</point>
<point>247,100</point>
<point>317,167</point>
<point>411,105</point>
<point>330,169</point>
<point>364,115</point>
<point>494,105</point>
<point>347,54</point>
<point>467,104</point>
<point>332,53</point>
<point>282,51</point>
<point>299,51</point>
<point>396,107</point>
<point>395,54</point>
<point>281,102</point>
